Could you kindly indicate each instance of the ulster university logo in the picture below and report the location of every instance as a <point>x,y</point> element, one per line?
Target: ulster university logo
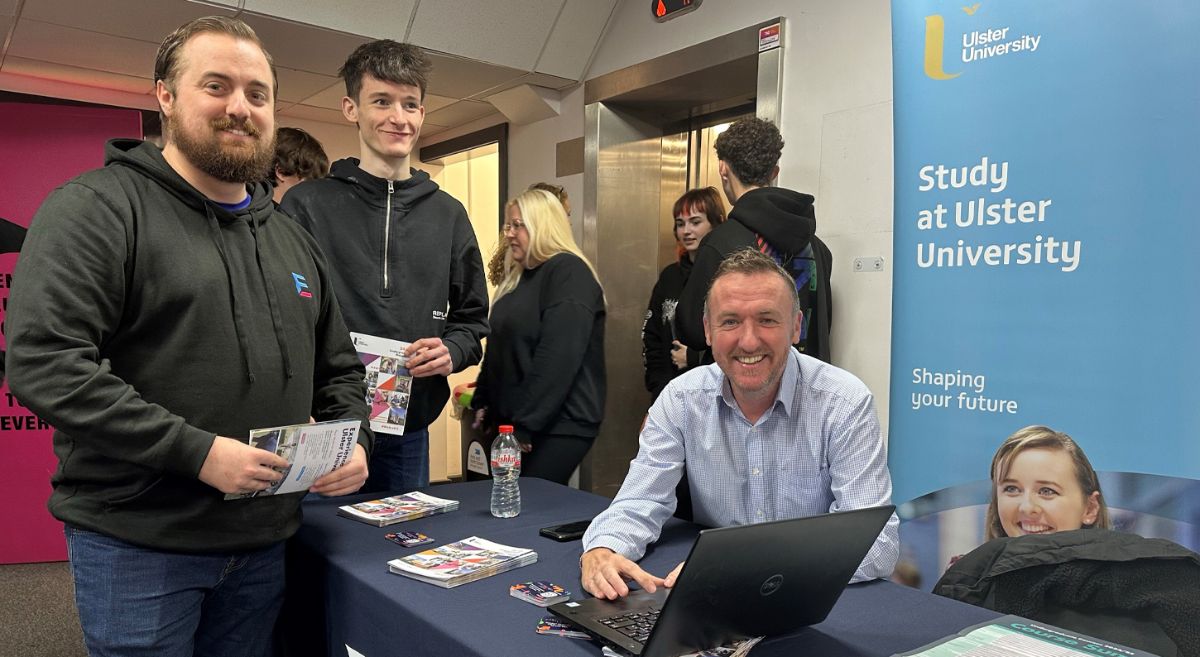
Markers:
<point>301,285</point>
<point>977,44</point>
<point>935,43</point>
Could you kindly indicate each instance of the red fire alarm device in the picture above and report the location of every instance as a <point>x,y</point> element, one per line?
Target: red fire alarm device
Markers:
<point>665,10</point>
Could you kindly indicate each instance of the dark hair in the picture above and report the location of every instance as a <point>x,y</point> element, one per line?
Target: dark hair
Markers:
<point>387,60</point>
<point>706,201</point>
<point>298,153</point>
<point>749,261</point>
<point>166,62</point>
<point>1041,437</point>
<point>559,192</point>
<point>751,147</point>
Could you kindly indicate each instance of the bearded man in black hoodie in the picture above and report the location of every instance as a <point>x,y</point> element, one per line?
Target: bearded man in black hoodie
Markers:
<point>775,221</point>
<point>405,262</point>
<point>162,309</point>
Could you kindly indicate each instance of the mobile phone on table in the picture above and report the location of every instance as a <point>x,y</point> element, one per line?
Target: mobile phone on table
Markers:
<point>571,531</point>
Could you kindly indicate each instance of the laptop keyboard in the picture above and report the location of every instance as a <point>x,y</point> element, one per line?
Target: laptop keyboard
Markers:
<point>635,625</point>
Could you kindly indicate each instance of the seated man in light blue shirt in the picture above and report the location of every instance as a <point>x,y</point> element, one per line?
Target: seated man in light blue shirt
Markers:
<point>766,432</point>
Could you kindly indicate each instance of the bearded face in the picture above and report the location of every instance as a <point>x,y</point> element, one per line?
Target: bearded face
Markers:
<point>225,148</point>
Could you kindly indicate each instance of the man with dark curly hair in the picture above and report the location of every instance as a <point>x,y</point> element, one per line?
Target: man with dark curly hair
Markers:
<point>778,222</point>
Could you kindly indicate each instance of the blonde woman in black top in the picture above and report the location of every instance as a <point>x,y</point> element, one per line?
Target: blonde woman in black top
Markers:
<point>543,370</point>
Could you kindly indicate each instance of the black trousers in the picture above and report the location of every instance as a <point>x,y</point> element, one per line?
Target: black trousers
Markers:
<point>554,457</point>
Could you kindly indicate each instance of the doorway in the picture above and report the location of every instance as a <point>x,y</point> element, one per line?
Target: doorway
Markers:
<point>472,170</point>
<point>648,133</point>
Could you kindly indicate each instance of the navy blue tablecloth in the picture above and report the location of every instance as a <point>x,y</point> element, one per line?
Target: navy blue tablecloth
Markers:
<point>340,592</point>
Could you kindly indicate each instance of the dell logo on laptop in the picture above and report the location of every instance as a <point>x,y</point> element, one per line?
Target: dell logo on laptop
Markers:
<point>773,584</point>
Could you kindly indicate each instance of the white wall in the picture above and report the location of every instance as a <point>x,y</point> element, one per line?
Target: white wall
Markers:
<point>531,154</point>
<point>338,140</point>
<point>531,150</point>
<point>837,99</point>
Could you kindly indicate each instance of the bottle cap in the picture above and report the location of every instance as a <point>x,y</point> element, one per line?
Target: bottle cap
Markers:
<point>506,428</point>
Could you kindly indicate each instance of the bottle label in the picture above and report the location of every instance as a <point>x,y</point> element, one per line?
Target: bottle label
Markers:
<point>506,459</point>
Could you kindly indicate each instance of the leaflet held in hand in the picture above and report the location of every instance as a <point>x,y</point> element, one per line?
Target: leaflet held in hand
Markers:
<point>312,450</point>
<point>389,385</point>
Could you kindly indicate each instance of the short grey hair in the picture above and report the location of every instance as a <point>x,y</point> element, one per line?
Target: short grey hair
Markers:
<point>749,261</point>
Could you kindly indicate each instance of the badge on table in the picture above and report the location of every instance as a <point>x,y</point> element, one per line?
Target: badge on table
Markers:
<point>408,539</point>
<point>540,593</point>
<point>555,627</point>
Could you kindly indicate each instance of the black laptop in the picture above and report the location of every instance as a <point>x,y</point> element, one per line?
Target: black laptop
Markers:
<point>739,582</point>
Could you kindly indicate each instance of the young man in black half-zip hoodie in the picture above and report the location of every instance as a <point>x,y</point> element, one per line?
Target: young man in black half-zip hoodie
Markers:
<point>162,308</point>
<point>403,254</point>
<point>775,221</point>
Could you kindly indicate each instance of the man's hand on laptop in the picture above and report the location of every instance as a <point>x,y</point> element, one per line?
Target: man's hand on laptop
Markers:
<point>604,573</point>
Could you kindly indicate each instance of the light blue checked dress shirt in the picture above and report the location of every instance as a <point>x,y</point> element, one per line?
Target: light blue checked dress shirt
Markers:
<point>817,449</point>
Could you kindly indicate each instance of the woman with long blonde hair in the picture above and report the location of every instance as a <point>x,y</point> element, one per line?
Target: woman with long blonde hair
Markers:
<point>543,371</point>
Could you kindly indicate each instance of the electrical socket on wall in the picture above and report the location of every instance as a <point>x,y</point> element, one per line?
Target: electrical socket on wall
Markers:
<point>872,263</point>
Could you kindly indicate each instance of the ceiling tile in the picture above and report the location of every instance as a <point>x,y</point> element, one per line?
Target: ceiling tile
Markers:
<point>549,81</point>
<point>330,97</point>
<point>79,76</point>
<point>132,19</point>
<point>464,111</point>
<point>303,47</point>
<point>454,77</point>
<point>434,102</point>
<point>350,16</point>
<point>74,47</point>
<point>297,85</point>
<point>507,33</point>
<point>574,37</point>
<point>429,129</point>
<point>5,23</point>
<point>535,79</point>
<point>315,114</point>
<point>8,8</point>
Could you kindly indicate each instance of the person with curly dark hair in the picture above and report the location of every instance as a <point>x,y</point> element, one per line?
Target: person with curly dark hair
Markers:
<point>778,222</point>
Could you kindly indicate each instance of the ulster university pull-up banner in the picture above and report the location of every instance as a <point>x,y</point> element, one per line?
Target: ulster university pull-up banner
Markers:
<point>1047,157</point>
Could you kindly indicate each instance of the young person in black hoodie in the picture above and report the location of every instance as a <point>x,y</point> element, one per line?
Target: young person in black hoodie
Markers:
<point>776,221</point>
<point>163,309</point>
<point>696,213</point>
<point>544,368</point>
<point>405,262</point>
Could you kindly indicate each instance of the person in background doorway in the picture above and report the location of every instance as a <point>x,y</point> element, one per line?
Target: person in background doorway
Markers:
<point>544,368</point>
<point>495,266</point>
<point>298,157</point>
<point>1042,483</point>
<point>778,222</point>
<point>696,213</point>
<point>405,262</point>
<point>155,321</point>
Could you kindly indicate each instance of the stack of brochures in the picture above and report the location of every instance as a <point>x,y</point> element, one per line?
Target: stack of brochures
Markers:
<point>461,562</point>
<point>397,508</point>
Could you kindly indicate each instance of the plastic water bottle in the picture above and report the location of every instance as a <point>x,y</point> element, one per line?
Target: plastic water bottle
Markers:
<point>506,468</point>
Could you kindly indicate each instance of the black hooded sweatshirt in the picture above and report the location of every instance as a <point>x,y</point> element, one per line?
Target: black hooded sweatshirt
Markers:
<point>144,321</point>
<point>784,219</point>
<point>405,265</point>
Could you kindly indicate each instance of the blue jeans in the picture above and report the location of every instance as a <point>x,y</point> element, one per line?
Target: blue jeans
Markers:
<point>139,601</point>
<point>399,464</point>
